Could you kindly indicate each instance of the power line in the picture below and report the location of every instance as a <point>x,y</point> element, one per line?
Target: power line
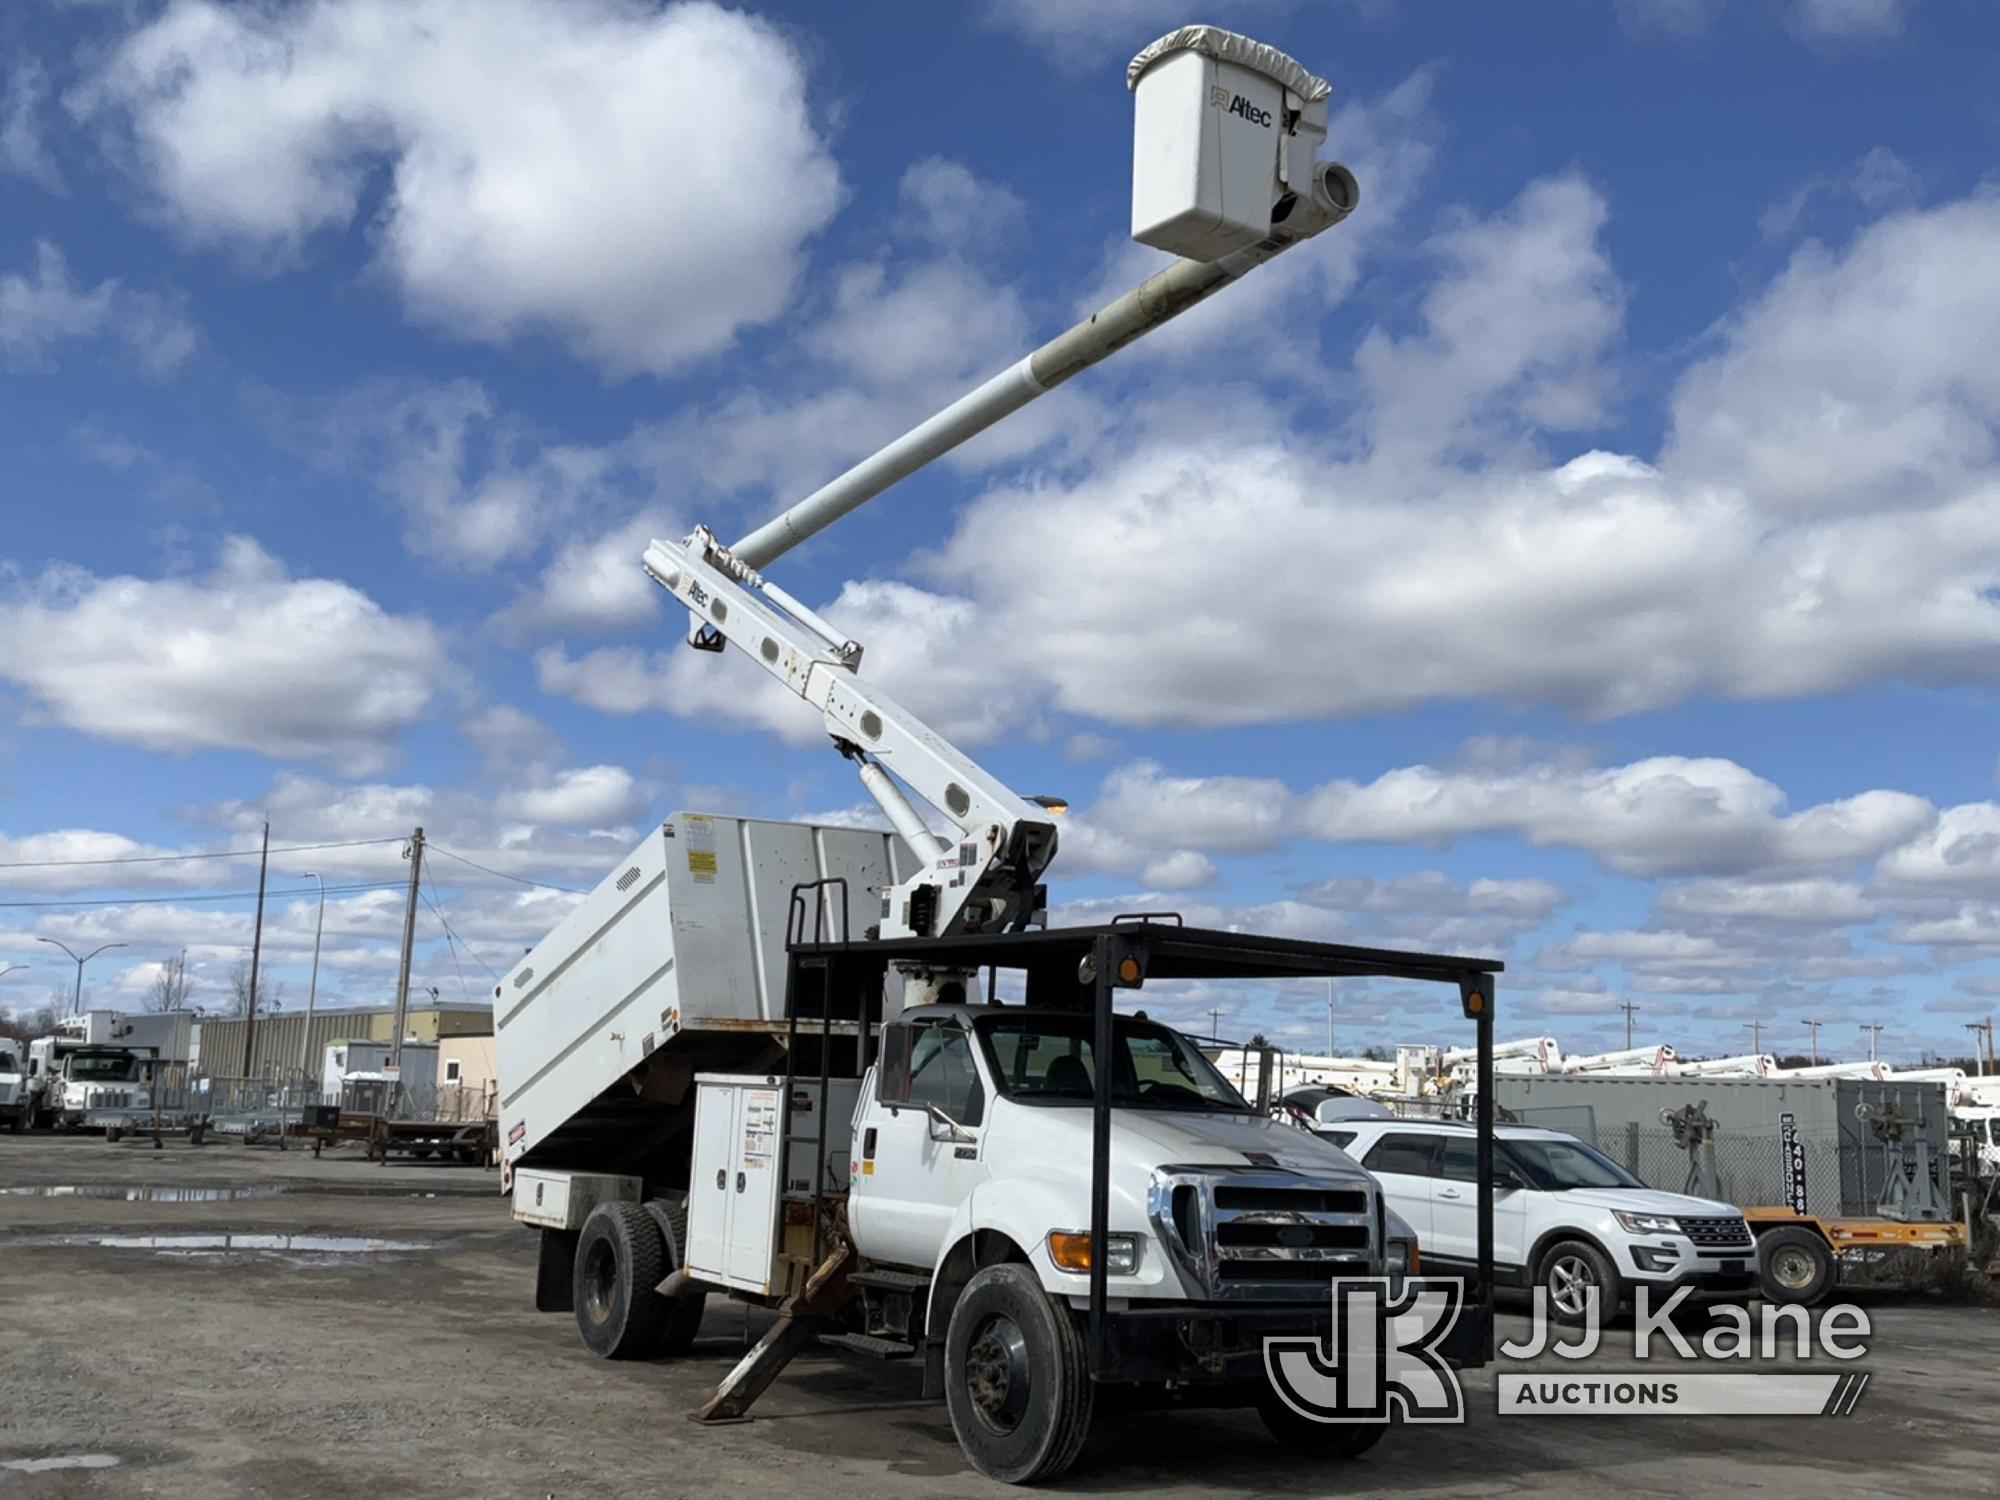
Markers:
<point>304,890</point>
<point>568,890</point>
<point>174,859</point>
<point>451,935</point>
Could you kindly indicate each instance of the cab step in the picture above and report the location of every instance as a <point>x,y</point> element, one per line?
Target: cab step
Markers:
<point>866,1343</point>
<point>890,1281</point>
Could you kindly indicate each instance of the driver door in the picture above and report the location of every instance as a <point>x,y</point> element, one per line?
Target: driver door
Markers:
<point>1455,1207</point>
<point>910,1175</point>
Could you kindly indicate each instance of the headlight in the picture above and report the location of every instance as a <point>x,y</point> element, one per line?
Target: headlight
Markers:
<point>1400,1258</point>
<point>1070,1250</point>
<point>1648,1223</point>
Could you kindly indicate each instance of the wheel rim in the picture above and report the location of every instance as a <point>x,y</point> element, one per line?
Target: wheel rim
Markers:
<point>996,1374</point>
<point>1792,1268</point>
<point>1570,1282</point>
<point>600,1281</point>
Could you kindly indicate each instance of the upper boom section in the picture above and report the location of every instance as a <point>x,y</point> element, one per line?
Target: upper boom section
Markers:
<point>1266,114</point>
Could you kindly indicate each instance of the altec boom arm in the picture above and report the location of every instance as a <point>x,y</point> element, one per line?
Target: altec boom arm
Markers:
<point>987,876</point>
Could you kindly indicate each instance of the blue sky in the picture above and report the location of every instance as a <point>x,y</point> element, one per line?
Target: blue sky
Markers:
<point>1586,554</point>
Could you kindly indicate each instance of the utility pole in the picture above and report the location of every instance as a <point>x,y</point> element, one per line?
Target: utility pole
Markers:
<point>416,856</point>
<point>1215,1025</point>
<point>1874,1030</point>
<point>1630,1010</point>
<point>1815,1023</point>
<point>1329,1020</point>
<point>1982,1064</point>
<point>1756,1036</point>
<point>256,949</point>
<point>312,985</point>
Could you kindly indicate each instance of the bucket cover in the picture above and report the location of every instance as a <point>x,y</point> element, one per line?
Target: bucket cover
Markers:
<point>1232,47</point>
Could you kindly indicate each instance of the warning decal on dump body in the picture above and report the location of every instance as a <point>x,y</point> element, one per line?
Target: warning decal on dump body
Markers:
<point>760,1128</point>
<point>701,850</point>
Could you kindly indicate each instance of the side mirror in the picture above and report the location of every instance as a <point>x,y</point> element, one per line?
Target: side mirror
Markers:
<point>1507,1180</point>
<point>944,1128</point>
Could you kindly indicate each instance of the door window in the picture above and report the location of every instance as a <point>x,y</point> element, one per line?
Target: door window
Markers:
<point>930,1063</point>
<point>1460,1161</point>
<point>1411,1155</point>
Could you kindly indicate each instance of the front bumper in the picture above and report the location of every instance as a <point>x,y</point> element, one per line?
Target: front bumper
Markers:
<point>1668,1267</point>
<point>1204,1344</point>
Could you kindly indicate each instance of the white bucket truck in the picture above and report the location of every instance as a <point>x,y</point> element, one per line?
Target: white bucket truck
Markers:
<point>771,1060</point>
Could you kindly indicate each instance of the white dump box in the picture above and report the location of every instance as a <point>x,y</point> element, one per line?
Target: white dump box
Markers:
<point>1224,133</point>
<point>674,964</point>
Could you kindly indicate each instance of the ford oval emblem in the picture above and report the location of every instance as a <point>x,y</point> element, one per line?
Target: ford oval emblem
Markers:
<point>1295,1237</point>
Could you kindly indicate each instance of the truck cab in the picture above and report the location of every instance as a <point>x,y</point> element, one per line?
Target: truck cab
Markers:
<point>13,1085</point>
<point>69,1080</point>
<point>974,1124</point>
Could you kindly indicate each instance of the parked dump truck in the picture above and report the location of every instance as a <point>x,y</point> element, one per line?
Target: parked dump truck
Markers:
<point>773,1060</point>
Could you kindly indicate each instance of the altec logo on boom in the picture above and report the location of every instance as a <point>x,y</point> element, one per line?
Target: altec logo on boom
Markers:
<point>1382,1362</point>
<point>1236,104</point>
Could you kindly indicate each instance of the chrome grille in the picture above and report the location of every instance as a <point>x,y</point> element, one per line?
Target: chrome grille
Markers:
<point>1264,1233</point>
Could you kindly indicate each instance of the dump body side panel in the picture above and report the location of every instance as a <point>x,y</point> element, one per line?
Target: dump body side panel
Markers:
<point>676,961</point>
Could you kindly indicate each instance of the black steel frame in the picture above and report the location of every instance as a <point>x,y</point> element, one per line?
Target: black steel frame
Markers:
<point>1088,966</point>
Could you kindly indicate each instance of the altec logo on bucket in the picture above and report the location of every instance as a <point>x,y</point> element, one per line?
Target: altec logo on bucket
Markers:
<point>1236,104</point>
<point>1381,1361</point>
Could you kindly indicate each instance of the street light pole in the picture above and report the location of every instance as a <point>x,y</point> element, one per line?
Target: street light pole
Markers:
<point>77,1003</point>
<point>312,985</point>
<point>12,967</point>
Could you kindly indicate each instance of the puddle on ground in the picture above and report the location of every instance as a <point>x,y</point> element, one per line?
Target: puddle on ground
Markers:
<point>123,1194</point>
<point>190,1245</point>
<point>119,1192</point>
<point>62,1461</point>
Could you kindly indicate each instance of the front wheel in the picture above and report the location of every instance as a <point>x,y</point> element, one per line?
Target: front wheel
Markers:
<point>1570,1272</point>
<point>1303,1435</point>
<point>1795,1266</point>
<point>1016,1383</point>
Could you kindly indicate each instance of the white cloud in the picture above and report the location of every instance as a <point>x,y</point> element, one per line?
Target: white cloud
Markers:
<point>47,307</point>
<point>583,796</point>
<point>1877,180</point>
<point>1514,332</point>
<point>956,209</point>
<point>1680,18</point>
<point>1811,903</point>
<point>1183,870</point>
<point>1959,855</point>
<point>1433,892</point>
<point>1231,814</point>
<point>637,182</point>
<point>23,152</point>
<point>1847,20</point>
<point>217,661</point>
<point>1078,36</point>
<point>1860,381</point>
<point>1662,815</point>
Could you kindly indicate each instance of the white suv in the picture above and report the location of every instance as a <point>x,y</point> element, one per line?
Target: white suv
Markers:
<point>1565,1216</point>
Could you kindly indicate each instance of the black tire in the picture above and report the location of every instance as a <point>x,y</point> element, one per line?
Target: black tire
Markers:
<point>1304,1436</point>
<point>1567,1270</point>
<point>17,1118</point>
<point>620,1258</point>
<point>1016,1383</point>
<point>1796,1266</point>
<point>113,1135</point>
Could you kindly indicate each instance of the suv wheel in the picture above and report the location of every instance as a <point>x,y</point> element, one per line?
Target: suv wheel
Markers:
<point>1569,1272</point>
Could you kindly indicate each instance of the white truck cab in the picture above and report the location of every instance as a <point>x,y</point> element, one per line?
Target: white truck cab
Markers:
<point>71,1080</point>
<point>976,1121</point>
<point>13,1085</point>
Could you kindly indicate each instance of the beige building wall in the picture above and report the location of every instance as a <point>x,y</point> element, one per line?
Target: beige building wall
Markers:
<point>468,1077</point>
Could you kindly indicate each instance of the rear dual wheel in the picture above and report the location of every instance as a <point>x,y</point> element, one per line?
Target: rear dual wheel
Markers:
<point>621,1256</point>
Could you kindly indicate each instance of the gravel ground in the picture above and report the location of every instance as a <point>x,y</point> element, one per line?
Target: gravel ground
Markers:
<point>300,1368</point>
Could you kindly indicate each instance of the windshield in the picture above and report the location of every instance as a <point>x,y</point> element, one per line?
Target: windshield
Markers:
<point>8,1064</point>
<point>1566,1164</point>
<point>1994,1126</point>
<point>1040,1056</point>
<point>102,1066</point>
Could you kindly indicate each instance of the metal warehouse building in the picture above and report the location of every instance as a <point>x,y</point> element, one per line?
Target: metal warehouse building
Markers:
<point>282,1045</point>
